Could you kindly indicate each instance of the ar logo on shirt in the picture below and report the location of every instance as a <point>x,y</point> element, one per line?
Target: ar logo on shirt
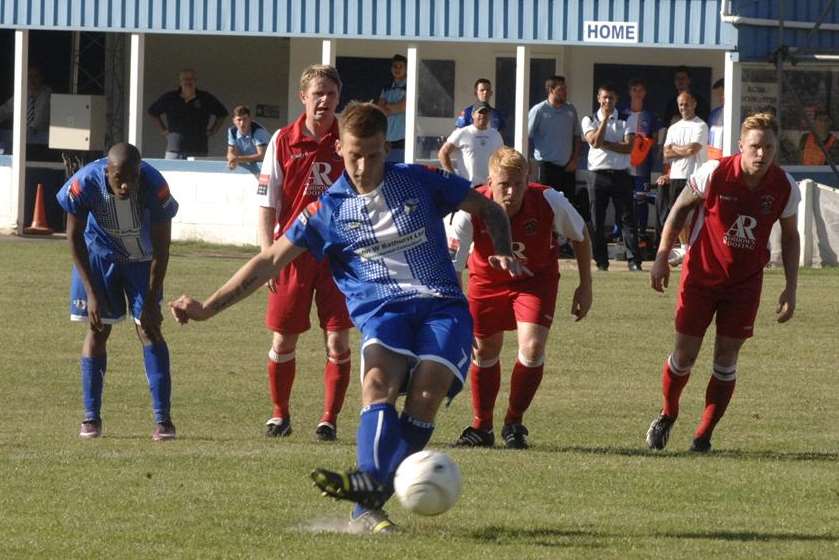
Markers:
<point>318,180</point>
<point>741,233</point>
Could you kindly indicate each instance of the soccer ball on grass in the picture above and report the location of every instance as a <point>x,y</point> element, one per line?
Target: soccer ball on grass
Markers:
<point>427,483</point>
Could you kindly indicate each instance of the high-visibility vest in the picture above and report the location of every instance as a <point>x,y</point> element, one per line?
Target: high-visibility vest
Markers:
<point>812,154</point>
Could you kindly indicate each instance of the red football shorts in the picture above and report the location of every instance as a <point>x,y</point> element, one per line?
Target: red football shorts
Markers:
<point>735,308</point>
<point>302,281</point>
<point>500,309</point>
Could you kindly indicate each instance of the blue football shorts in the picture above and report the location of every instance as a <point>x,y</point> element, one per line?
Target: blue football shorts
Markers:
<point>426,328</point>
<point>116,283</point>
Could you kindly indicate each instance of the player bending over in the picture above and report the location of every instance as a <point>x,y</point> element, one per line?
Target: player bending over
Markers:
<point>737,199</point>
<point>500,303</point>
<point>380,225</point>
<point>119,224</point>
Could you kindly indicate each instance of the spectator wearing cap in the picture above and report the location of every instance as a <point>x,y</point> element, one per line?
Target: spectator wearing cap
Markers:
<point>554,130</point>
<point>392,102</point>
<point>811,152</point>
<point>475,143</point>
<point>483,93</point>
<point>715,122</point>
<point>246,139</point>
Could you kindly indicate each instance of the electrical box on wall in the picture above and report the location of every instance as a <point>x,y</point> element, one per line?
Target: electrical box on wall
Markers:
<point>77,122</point>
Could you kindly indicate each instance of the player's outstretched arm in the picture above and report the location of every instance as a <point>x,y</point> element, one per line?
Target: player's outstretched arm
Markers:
<point>246,281</point>
<point>581,303</point>
<point>498,227</point>
<point>790,251</point>
<point>685,202</point>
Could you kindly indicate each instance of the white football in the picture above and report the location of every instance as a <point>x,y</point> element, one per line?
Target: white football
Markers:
<point>427,483</point>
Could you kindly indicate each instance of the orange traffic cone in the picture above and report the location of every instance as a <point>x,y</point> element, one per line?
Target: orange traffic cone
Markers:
<point>39,216</point>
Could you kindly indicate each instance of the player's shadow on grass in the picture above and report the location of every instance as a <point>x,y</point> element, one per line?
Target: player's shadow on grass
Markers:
<point>751,536</point>
<point>740,454</point>
<point>539,536</point>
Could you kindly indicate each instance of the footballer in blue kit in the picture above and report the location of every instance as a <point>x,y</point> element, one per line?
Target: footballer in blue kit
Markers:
<point>380,225</point>
<point>119,213</point>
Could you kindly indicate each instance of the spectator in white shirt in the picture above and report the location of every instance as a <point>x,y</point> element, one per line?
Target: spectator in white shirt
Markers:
<point>685,149</point>
<point>475,143</point>
<point>610,142</point>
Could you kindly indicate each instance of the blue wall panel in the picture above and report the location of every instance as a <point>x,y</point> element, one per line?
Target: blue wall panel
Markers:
<point>693,23</point>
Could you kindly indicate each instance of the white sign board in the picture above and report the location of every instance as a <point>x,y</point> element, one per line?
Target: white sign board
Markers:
<point>610,31</point>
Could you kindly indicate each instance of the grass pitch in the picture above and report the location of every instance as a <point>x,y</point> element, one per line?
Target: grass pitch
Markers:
<point>587,489</point>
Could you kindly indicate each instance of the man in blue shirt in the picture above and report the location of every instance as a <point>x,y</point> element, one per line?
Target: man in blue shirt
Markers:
<point>554,130</point>
<point>483,94</point>
<point>246,139</point>
<point>392,103</point>
<point>119,224</point>
<point>380,225</point>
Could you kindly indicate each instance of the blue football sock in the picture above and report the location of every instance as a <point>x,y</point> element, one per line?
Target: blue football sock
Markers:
<point>93,382</point>
<point>415,433</point>
<point>380,447</point>
<point>156,359</point>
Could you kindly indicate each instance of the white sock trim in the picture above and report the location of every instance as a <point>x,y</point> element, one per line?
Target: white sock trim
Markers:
<point>280,358</point>
<point>675,368</point>
<point>486,363</point>
<point>725,373</point>
<point>531,363</point>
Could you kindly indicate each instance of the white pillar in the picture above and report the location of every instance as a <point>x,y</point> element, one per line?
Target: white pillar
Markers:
<point>19,131</point>
<point>733,100</point>
<point>135,90</point>
<point>328,52</point>
<point>522,90</point>
<point>805,221</point>
<point>411,105</point>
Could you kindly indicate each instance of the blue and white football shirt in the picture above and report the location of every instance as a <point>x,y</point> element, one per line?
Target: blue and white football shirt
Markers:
<point>119,230</point>
<point>388,245</point>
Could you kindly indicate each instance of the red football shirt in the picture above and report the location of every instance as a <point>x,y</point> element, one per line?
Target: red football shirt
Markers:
<point>729,241</point>
<point>296,170</point>
<point>544,215</point>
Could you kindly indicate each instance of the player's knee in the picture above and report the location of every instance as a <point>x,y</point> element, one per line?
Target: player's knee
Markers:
<point>337,343</point>
<point>682,360</point>
<point>283,345</point>
<point>338,357</point>
<point>377,386</point>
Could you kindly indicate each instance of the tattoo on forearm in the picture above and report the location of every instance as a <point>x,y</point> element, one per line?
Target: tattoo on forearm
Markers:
<point>234,296</point>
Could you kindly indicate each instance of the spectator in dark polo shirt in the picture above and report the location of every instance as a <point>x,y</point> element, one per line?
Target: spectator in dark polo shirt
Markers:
<point>188,112</point>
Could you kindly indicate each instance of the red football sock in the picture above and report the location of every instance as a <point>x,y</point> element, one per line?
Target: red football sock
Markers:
<point>717,396</point>
<point>281,370</point>
<point>672,383</point>
<point>485,382</point>
<point>336,379</point>
<point>523,385</point>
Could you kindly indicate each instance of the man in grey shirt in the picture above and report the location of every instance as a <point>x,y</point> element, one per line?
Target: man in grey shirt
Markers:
<point>554,130</point>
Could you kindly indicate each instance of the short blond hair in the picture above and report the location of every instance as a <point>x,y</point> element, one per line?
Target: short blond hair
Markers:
<point>509,159</point>
<point>759,121</point>
<point>325,71</point>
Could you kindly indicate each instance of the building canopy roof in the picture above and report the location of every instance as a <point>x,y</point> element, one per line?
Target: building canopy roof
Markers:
<point>676,23</point>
